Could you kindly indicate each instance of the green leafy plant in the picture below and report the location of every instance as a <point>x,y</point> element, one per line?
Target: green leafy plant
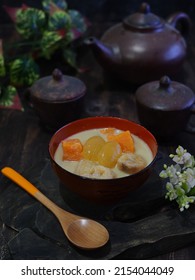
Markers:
<point>41,32</point>
<point>7,96</point>
<point>181,178</point>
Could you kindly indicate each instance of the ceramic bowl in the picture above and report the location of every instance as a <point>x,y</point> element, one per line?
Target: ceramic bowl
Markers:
<point>103,191</point>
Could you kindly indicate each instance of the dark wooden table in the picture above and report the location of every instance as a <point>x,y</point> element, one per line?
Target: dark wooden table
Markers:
<point>24,146</point>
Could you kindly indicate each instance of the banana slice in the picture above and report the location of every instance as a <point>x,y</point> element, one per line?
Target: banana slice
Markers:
<point>131,163</point>
<point>91,169</point>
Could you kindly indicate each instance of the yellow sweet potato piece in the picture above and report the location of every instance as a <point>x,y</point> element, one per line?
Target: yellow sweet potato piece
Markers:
<point>72,149</point>
<point>124,139</point>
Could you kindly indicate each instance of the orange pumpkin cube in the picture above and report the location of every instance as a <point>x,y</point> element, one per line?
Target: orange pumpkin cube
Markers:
<point>109,130</point>
<point>72,149</point>
<point>125,140</point>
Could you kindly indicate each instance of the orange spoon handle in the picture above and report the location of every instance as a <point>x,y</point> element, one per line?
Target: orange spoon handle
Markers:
<point>20,180</point>
<point>31,189</point>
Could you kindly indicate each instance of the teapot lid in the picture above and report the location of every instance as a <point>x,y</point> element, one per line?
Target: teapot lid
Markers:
<point>165,95</point>
<point>143,19</point>
<point>58,88</point>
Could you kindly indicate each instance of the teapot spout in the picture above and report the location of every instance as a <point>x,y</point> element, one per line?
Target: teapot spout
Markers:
<point>105,54</point>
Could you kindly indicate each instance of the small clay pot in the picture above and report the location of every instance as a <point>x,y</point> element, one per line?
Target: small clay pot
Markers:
<point>57,99</point>
<point>164,107</point>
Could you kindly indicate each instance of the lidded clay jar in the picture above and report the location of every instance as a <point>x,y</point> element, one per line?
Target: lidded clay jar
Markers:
<point>165,106</point>
<point>58,99</point>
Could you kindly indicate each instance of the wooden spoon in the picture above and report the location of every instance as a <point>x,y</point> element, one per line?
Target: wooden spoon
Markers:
<point>82,232</point>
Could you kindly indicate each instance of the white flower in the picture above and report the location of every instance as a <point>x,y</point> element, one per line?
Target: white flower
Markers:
<point>181,178</point>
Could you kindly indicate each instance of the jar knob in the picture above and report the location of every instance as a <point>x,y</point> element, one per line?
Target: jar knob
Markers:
<point>165,82</point>
<point>57,75</point>
<point>144,8</point>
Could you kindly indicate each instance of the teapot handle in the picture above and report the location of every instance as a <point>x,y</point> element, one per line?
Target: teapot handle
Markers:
<point>180,21</point>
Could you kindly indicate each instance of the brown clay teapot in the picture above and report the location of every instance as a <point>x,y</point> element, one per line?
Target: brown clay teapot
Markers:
<point>143,47</point>
<point>164,107</point>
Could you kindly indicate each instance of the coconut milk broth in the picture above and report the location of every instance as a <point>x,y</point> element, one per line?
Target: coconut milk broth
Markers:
<point>141,148</point>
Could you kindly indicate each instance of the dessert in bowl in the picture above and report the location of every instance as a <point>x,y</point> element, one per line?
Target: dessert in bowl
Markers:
<point>102,159</point>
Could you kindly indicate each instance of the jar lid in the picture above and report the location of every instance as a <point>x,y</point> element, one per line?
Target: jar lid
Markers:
<point>58,88</point>
<point>165,95</point>
<point>143,19</point>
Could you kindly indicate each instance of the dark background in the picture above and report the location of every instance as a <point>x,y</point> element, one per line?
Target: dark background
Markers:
<point>110,10</point>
